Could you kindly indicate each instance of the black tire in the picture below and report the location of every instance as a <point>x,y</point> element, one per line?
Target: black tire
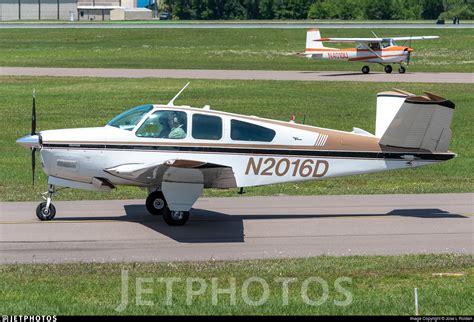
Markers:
<point>365,70</point>
<point>388,69</point>
<point>175,218</point>
<point>43,214</point>
<point>402,70</point>
<point>156,203</point>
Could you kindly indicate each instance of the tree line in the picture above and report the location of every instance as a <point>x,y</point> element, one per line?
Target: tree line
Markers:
<point>318,9</point>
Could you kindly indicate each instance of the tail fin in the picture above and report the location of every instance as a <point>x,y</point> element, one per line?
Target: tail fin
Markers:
<point>311,36</point>
<point>420,122</point>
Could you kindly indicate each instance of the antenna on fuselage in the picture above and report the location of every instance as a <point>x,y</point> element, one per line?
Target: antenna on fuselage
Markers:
<point>171,103</point>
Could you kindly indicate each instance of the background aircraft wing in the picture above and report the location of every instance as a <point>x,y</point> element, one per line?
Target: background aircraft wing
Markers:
<point>215,175</point>
<point>359,40</point>
<point>415,38</point>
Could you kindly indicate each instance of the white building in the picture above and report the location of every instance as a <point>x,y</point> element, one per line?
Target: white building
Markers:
<point>82,10</point>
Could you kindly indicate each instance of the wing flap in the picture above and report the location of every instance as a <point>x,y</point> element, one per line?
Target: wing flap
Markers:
<point>360,40</point>
<point>215,175</point>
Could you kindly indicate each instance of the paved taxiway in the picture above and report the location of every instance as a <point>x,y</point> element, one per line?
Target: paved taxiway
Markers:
<point>466,78</point>
<point>240,228</point>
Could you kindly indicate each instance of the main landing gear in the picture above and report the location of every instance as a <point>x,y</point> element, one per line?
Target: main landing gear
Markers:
<point>157,205</point>
<point>46,210</point>
<point>401,69</point>
<point>387,68</point>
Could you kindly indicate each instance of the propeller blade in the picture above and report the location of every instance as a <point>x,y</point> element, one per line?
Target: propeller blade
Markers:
<point>33,164</point>
<point>33,115</point>
<point>409,53</point>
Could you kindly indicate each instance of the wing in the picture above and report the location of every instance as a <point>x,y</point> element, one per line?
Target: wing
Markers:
<point>151,174</point>
<point>415,38</point>
<point>359,40</point>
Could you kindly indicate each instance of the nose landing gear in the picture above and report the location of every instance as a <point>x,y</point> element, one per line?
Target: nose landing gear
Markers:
<point>46,210</point>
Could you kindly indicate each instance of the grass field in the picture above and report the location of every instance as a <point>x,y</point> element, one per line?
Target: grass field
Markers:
<point>215,48</point>
<point>373,285</point>
<point>84,102</point>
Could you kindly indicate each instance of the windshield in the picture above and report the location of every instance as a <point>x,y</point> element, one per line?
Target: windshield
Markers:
<point>129,119</point>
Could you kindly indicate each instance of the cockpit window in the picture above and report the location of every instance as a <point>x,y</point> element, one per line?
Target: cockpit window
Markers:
<point>165,125</point>
<point>386,43</point>
<point>129,119</point>
<point>374,46</point>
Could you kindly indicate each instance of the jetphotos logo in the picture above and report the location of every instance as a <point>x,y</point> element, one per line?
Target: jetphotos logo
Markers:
<point>253,291</point>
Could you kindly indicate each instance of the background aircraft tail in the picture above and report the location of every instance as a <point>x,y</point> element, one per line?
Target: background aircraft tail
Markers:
<point>311,36</point>
<point>409,121</point>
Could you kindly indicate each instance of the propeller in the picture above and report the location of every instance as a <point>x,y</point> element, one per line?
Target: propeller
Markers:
<point>33,132</point>
<point>409,52</point>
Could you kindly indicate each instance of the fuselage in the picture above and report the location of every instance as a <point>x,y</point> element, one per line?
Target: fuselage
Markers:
<point>391,54</point>
<point>253,150</point>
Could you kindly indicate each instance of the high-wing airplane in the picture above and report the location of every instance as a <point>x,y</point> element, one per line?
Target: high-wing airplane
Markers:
<point>383,51</point>
<point>177,151</point>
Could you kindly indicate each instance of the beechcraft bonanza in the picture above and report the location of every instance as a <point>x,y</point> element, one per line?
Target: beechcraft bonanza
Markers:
<point>383,51</point>
<point>176,151</point>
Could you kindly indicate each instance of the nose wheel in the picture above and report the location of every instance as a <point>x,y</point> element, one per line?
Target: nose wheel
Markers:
<point>46,210</point>
<point>401,70</point>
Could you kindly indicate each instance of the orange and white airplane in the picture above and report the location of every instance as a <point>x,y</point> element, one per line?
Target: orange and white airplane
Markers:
<point>383,51</point>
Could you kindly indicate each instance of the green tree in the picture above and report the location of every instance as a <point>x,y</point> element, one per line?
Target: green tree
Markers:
<point>378,10</point>
<point>265,9</point>
<point>324,10</point>
<point>431,9</point>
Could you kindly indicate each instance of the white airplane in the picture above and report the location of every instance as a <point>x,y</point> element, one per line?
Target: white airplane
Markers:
<point>383,51</point>
<point>177,151</point>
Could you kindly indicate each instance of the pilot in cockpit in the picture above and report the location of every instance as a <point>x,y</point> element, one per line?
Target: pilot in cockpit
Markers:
<point>177,131</point>
<point>165,128</point>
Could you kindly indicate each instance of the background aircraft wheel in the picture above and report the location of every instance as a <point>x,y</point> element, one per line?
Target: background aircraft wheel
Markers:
<point>156,203</point>
<point>175,218</point>
<point>388,69</point>
<point>365,70</point>
<point>44,213</point>
<point>402,70</point>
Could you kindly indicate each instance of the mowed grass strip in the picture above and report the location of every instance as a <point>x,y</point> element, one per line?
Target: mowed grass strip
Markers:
<point>88,102</point>
<point>363,284</point>
<point>272,49</point>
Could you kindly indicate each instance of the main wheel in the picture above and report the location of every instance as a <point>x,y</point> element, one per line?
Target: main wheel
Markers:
<point>365,70</point>
<point>402,70</point>
<point>388,69</point>
<point>174,217</point>
<point>44,213</point>
<point>156,203</point>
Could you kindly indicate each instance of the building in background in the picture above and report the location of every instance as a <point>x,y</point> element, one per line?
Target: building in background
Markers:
<point>37,9</point>
<point>82,10</point>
